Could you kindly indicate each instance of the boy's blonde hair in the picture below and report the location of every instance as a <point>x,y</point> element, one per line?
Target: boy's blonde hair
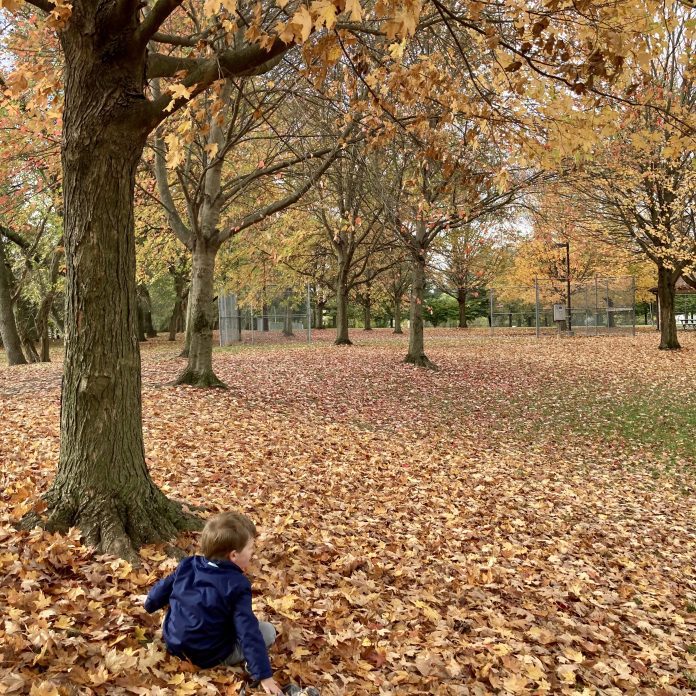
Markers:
<point>226,532</point>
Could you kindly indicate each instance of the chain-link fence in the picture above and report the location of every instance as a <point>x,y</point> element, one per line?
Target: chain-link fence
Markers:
<point>550,307</point>
<point>285,316</point>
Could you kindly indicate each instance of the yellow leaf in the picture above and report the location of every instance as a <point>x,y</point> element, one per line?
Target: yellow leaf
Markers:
<point>325,12</point>
<point>516,684</point>
<point>353,6</point>
<point>211,149</point>
<point>302,22</point>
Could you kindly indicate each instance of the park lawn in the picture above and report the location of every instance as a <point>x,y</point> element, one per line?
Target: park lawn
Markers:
<point>519,522</point>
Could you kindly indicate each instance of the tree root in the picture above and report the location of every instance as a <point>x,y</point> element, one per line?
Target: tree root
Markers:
<point>115,524</point>
<point>343,342</point>
<point>204,379</point>
<point>420,361</point>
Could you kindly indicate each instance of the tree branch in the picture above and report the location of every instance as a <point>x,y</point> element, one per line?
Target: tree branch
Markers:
<point>295,196</point>
<point>250,60</point>
<point>44,5</point>
<point>154,20</point>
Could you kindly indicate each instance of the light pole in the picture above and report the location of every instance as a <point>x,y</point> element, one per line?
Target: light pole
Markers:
<point>567,248</point>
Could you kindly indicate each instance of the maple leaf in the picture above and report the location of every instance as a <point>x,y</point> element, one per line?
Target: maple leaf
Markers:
<point>301,22</point>
<point>355,9</point>
<point>325,12</point>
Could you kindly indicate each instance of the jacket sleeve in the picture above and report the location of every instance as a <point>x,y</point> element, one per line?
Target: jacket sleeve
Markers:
<point>246,626</point>
<point>158,596</point>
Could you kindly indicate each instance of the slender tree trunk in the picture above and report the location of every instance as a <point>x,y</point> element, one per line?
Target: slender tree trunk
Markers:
<point>102,484</point>
<point>199,371</point>
<point>461,301</point>
<point>287,322</point>
<point>8,323</point>
<point>174,320</point>
<point>319,314</point>
<point>264,318</point>
<point>368,312</point>
<point>141,323</point>
<point>146,305</point>
<point>188,326</point>
<point>342,338</point>
<point>416,348</point>
<point>177,312</point>
<point>46,305</point>
<point>397,313</point>
<point>666,280</point>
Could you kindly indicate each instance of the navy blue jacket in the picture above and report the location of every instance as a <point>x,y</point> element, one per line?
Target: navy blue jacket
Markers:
<point>209,610</point>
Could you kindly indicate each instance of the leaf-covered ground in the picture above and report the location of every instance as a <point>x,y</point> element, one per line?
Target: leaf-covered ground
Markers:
<point>520,522</point>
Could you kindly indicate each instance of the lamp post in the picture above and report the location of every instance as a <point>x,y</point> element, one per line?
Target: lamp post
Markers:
<point>567,248</point>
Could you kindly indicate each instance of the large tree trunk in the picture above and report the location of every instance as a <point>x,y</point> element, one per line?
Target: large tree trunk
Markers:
<point>397,313</point>
<point>199,371</point>
<point>102,484</point>
<point>461,301</point>
<point>342,338</point>
<point>8,323</point>
<point>666,279</point>
<point>416,349</point>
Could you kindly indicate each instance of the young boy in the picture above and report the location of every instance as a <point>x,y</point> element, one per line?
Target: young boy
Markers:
<point>210,620</point>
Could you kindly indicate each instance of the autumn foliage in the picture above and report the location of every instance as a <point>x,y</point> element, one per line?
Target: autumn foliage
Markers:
<point>493,528</point>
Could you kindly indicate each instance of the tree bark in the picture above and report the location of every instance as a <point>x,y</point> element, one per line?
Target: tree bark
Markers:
<point>397,314</point>
<point>368,311</point>
<point>319,314</point>
<point>199,371</point>
<point>177,312</point>
<point>146,306</point>
<point>188,326</point>
<point>102,484</point>
<point>666,280</point>
<point>461,301</point>
<point>287,322</point>
<point>342,338</point>
<point>416,348</point>
<point>45,307</point>
<point>8,323</point>
<point>141,323</point>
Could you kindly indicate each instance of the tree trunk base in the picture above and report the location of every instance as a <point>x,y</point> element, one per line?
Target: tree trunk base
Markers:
<point>420,361</point>
<point>366,329</point>
<point>398,331</point>
<point>200,379</point>
<point>670,345</point>
<point>343,342</point>
<point>184,353</point>
<point>115,524</point>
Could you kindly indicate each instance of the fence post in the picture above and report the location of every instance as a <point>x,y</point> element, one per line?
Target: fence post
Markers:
<point>490,297</point>
<point>309,314</point>
<point>596,306</point>
<point>536,306</point>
